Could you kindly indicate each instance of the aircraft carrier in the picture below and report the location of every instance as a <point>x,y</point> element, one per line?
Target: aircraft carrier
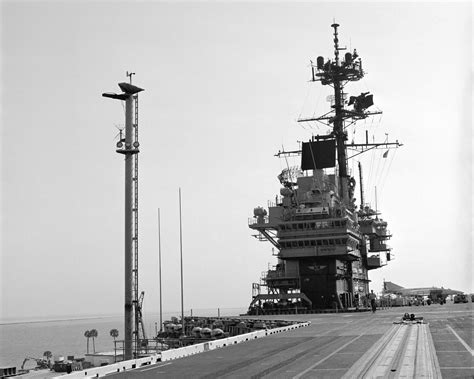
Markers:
<point>326,245</point>
<point>437,344</point>
<point>343,345</point>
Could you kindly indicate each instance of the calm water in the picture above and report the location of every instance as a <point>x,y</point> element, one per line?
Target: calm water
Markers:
<point>66,337</point>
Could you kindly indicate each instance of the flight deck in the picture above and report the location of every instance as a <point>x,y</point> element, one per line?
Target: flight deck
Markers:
<point>337,345</point>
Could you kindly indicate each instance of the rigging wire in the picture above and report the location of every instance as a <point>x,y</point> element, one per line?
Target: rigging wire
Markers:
<point>376,173</point>
<point>279,160</point>
<point>371,167</point>
<point>315,126</point>
<point>388,170</point>
<point>380,159</point>
<point>381,178</point>
<point>382,171</point>
<point>305,101</point>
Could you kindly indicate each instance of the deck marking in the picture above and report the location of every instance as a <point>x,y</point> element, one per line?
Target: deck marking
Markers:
<point>327,357</point>
<point>456,368</point>
<point>468,348</point>
<point>154,367</point>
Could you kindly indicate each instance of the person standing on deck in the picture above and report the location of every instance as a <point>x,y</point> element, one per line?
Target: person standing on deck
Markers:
<point>372,297</point>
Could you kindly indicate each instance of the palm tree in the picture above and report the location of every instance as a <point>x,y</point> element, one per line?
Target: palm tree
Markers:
<point>93,334</point>
<point>47,354</point>
<point>114,333</point>
<point>87,334</point>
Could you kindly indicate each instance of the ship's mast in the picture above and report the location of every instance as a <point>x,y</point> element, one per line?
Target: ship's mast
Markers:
<point>338,129</point>
<point>361,185</point>
<point>337,73</point>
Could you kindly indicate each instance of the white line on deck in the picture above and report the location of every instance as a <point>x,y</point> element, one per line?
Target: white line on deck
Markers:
<point>456,368</point>
<point>468,348</point>
<point>154,367</point>
<point>327,357</point>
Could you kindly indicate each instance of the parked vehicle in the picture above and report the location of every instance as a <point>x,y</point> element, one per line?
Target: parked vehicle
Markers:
<point>460,298</point>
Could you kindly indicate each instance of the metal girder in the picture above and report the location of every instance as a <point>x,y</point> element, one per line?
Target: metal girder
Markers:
<point>270,238</point>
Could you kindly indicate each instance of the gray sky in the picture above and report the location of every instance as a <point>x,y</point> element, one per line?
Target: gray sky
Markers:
<point>224,84</point>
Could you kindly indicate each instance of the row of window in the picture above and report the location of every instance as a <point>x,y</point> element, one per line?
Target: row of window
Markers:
<point>309,243</point>
<point>314,225</point>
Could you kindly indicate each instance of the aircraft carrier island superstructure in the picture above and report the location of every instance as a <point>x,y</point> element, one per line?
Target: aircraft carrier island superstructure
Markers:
<point>325,243</point>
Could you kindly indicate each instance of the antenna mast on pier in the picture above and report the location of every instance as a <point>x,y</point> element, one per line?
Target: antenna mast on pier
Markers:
<point>128,146</point>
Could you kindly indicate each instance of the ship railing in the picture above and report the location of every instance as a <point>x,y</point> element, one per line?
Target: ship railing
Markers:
<point>374,261</point>
<point>278,201</point>
<point>260,220</point>
<point>141,347</point>
<point>379,248</point>
<point>384,233</point>
<point>271,274</point>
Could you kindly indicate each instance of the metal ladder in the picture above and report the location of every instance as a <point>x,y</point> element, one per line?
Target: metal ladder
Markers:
<point>137,313</point>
